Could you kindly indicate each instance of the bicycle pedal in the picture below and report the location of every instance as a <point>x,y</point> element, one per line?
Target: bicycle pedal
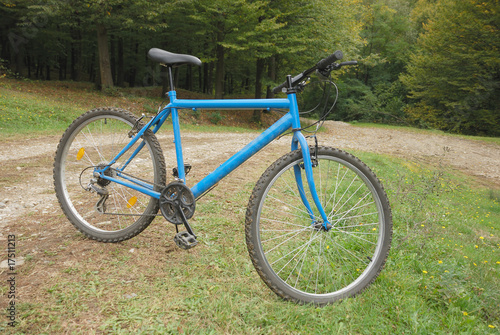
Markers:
<point>187,168</point>
<point>185,240</point>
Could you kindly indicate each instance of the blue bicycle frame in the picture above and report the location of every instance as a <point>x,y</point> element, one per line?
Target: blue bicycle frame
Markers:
<point>289,120</point>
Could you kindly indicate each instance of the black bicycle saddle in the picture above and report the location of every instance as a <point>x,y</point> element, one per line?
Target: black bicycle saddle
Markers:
<point>170,59</point>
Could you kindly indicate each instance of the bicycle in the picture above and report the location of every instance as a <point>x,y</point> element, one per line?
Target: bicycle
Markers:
<point>318,223</point>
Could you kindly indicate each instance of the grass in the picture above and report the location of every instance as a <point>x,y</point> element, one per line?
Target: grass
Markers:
<point>441,276</point>
<point>36,108</point>
<point>19,114</point>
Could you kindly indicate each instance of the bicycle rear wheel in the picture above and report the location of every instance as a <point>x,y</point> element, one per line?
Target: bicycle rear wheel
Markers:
<point>298,259</point>
<point>94,139</point>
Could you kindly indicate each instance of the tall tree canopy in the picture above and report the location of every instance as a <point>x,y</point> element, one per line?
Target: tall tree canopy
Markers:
<point>454,73</point>
<point>430,63</point>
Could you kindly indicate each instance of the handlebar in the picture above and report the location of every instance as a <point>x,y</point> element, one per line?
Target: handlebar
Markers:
<point>326,64</point>
<point>351,62</point>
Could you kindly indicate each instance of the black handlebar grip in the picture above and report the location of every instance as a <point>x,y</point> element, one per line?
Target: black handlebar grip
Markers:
<point>323,64</point>
<point>351,62</point>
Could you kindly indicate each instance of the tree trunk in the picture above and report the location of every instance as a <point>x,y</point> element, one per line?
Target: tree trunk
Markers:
<point>104,64</point>
<point>219,72</point>
<point>271,73</point>
<point>258,88</point>
<point>112,56</point>
<point>76,56</point>
<point>176,77</point>
<point>205,78</point>
<point>258,78</point>
<point>28,63</point>
<point>62,66</point>
<point>200,79</point>
<point>92,69</point>
<point>19,62</point>
<point>189,78</point>
<point>210,80</point>
<point>120,80</point>
<point>133,69</point>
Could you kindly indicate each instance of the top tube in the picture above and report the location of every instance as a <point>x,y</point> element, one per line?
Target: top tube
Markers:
<point>227,103</point>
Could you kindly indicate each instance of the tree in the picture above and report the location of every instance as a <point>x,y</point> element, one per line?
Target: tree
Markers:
<point>454,75</point>
<point>388,38</point>
<point>230,26</point>
<point>106,16</point>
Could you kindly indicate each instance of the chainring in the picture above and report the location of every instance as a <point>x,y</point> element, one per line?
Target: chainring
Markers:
<point>174,198</point>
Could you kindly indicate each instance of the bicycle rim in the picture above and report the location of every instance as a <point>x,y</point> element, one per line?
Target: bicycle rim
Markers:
<point>94,142</point>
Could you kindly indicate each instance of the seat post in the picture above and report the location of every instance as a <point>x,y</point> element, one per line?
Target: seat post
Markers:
<point>171,78</point>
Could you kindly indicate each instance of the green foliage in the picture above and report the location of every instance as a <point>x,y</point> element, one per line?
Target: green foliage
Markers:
<point>387,32</point>
<point>377,95</point>
<point>216,117</point>
<point>5,70</point>
<point>383,103</point>
<point>454,75</point>
<point>358,103</point>
<point>431,63</point>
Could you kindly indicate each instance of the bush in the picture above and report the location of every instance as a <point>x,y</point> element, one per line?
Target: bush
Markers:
<point>216,117</point>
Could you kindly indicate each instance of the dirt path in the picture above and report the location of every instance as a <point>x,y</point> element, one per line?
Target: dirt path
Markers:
<point>26,166</point>
<point>475,158</point>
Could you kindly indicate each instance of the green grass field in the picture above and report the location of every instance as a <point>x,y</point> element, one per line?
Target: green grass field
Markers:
<point>442,275</point>
<point>34,108</point>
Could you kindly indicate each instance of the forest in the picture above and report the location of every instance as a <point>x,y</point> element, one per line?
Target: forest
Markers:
<point>424,63</point>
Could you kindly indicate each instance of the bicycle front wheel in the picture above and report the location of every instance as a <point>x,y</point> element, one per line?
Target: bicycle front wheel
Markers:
<point>297,258</point>
<point>93,140</point>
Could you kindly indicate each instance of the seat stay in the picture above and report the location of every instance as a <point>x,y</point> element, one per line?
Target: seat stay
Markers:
<point>157,121</point>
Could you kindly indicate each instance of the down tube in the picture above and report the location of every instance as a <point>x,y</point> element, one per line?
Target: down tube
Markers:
<point>241,156</point>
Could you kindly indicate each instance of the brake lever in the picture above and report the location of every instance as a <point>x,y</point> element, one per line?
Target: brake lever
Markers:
<point>300,87</point>
<point>334,66</point>
<point>325,73</point>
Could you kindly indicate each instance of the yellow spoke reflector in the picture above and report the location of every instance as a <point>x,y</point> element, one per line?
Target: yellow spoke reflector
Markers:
<point>131,202</point>
<point>80,154</point>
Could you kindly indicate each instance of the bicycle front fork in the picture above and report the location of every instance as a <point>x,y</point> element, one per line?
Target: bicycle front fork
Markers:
<point>299,139</point>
